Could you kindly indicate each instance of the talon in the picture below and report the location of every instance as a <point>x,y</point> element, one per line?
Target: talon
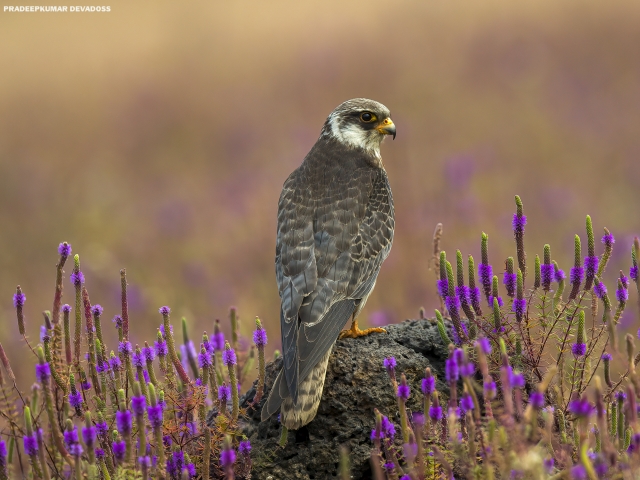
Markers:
<point>355,332</point>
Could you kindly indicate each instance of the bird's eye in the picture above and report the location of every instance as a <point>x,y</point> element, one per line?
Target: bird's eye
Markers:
<point>367,117</point>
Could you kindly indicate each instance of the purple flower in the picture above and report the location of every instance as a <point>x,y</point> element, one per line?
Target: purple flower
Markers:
<point>144,462</point>
<point>388,429</point>
<point>633,273</point>
<point>435,412</point>
<point>428,385</point>
<point>99,454</point>
<point>30,445</point>
<point>191,469</point>
<point>485,345</point>
<point>89,436</point>
<point>124,348</point>
<point>155,415</point>
<point>519,307</point>
<point>474,296</point>
<point>509,280</point>
<point>218,341</point>
<point>224,393</point>
<point>417,419</point>
<point>403,392</point>
<point>175,464</point>
<point>161,348</point>
<point>579,349</point>
<point>138,360</point>
<point>96,310</point>
<point>77,278</point>
<point>620,396</point>
<point>389,466</point>
<point>443,287</point>
<point>405,477</point>
<point>204,360</point>
<point>516,380</point>
<point>85,384</point>
<point>44,334</point>
<point>580,407</point>
<point>102,428</point>
<point>244,448</point>
<point>227,457</point>
<point>466,402</point>
<point>102,367</point>
<point>76,450</point>
<point>591,266</point>
<point>622,294</point>
<point>452,303</point>
<point>115,363</point>
<point>537,400</point>
<point>490,389</point>
<point>117,320</point>
<point>3,455</point>
<point>64,249</point>
<point>148,354</point>
<point>546,273</point>
<point>558,274</point>
<point>119,450</point>
<point>138,404</point>
<point>66,308</point>
<point>624,280</point>
<point>607,356</point>
<point>19,299</point>
<point>576,275</point>
<point>260,337</point>
<point>578,472</point>
<point>463,293</point>
<point>467,369</point>
<point>608,240</point>
<point>518,223</point>
<point>229,357</point>
<point>43,372</point>
<point>500,302</point>
<point>451,370</point>
<point>123,422</point>
<point>600,290</point>
<point>549,463</point>
<point>390,364</point>
<point>75,399</point>
<point>70,437</point>
<point>164,310</point>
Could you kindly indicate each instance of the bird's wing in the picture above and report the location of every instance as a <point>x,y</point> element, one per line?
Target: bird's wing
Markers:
<point>330,246</point>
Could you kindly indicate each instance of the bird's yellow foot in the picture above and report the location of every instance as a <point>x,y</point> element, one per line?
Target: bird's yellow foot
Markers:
<point>355,332</point>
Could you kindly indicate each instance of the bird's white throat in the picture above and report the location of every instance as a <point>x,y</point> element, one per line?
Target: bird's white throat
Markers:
<point>355,137</point>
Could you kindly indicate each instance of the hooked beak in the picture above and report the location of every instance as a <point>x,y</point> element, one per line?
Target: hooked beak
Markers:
<point>386,127</point>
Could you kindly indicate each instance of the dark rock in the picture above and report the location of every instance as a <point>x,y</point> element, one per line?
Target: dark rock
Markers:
<point>356,383</point>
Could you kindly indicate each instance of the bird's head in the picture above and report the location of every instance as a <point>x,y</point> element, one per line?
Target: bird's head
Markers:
<point>360,123</point>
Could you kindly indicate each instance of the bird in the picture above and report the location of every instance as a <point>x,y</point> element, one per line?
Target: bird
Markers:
<point>335,229</point>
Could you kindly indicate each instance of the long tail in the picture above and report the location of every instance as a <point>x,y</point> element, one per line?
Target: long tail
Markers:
<point>310,392</point>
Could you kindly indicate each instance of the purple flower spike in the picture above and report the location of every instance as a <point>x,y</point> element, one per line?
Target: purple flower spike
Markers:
<point>161,348</point>
<point>89,435</point>
<point>260,337</point>
<point>451,370</point>
<point>463,293</point>
<point>607,356</point>
<point>518,223</point>
<point>70,437</point>
<point>218,341</point>
<point>390,364</point>
<point>558,274</point>
<point>428,385</point>
<point>509,280</point>
<point>164,310</point>
<point>77,278</point>
<point>224,393</point>
<point>516,380</point>
<point>229,357</point>
<point>443,287</point>
<point>474,297</point>
<point>485,272</point>
<point>452,303</point>
<point>204,360</point>
<point>138,404</point>
<point>633,273</point>
<point>500,302</point>
<point>600,290</point>
<point>119,450</point>
<point>43,372</point>
<point>227,457</point>
<point>115,363</point>
<point>64,249</point>
<point>148,353</point>
<point>622,294</point>
<point>624,280</point>
<point>244,448</point>
<point>103,428</point>
<point>117,320</point>
<point>576,275</point>
<point>580,407</point>
<point>403,392</point>
<point>579,349</point>
<point>591,266</point>
<point>485,345</point>
<point>608,240</point>
<point>490,389</point>
<point>435,413</point>
<point>388,429</point>
<point>519,307</point>
<point>155,415</point>
<point>578,472</point>
<point>537,400</point>
<point>100,454</point>
<point>125,348</point>
<point>123,422</point>
<point>466,403</point>
<point>546,273</point>
<point>19,299</point>
<point>66,308</point>
<point>75,399</point>
<point>30,444</point>
<point>97,310</point>
<point>138,360</point>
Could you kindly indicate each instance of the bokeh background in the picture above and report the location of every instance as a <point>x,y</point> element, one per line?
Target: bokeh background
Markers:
<point>157,137</point>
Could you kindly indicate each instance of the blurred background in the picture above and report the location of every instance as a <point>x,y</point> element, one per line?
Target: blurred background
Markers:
<point>157,137</point>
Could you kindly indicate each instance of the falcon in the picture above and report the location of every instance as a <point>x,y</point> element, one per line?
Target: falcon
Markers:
<point>335,228</point>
